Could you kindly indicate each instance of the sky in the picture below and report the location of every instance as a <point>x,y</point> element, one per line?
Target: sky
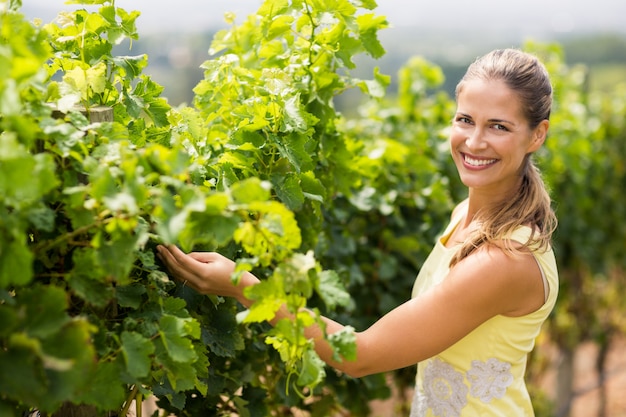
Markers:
<point>528,17</point>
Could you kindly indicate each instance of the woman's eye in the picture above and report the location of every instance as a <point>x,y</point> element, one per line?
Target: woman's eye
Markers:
<point>463,119</point>
<point>500,127</point>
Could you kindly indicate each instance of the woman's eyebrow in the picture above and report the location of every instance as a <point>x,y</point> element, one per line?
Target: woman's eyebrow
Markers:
<point>502,121</point>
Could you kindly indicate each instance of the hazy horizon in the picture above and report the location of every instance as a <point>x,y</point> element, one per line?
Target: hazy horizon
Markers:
<point>532,18</point>
<point>446,31</point>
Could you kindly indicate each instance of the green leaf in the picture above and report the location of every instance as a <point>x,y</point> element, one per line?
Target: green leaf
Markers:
<point>146,97</point>
<point>331,290</point>
<point>15,264</point>
<point>220,333</point>
<point>116,256</point>
<point>7,410</point>
<point>103,183</point>
<point>9,98</point>
<point>269,296</point>
<point>86,1</point>
<point>376,87</point>
<point>134,104</point>
<point>273,8</point>
<point>15,5</point>
<point>288,190</point>
<point>312,187</point>
<point>250,190</point>
<point>41,217</point>
<point>72,344</point>
<point>76,80</point>
<point>173,331</point>
<point>295,119</point>
<point>170,220</point>
<point>216,230</point>
<point>312,370</point>
<point>295,273</point>
<point>137,351</point>
<point>96,77</point>
<point>9,320</point>
<point>108,13</point>
<point>280,25</point>
<point>128,22</point>
<point>344,344</point>
<point>293,147</point>
<point>369,24</point>
<point>131,296</point>
<point>24,178</point>
<point>177,307</point>
<point>274,236</point>
<point>45,313</point>
<point>180,375</point>
<point>158,110</point>
<point>88,280</point>
<point>21,375</point>
<point>104,388</point>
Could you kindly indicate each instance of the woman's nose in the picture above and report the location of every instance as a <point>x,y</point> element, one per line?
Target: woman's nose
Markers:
<point>475,139</point>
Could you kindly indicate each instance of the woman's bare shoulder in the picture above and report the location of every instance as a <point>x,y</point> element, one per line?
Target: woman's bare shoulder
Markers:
<point>512,281</point>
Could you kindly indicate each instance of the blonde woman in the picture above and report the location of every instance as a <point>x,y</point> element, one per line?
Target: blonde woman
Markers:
<point>490,282</point>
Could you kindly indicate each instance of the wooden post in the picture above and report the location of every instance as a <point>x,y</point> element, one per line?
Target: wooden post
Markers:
<point>97,114</point>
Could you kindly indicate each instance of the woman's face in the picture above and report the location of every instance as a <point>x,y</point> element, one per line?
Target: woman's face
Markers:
<point>491,137</point>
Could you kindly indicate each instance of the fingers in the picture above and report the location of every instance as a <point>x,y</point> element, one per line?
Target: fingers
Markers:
<point>166,256</point>
<point>196,270</point>
<point>175,261</point>
<point>174,257</point>
<point>206,272</point>
<point>184,258</point>
<point>175,252</point>
<point>205,257</point>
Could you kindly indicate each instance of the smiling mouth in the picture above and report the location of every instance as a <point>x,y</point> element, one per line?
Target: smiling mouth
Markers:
<point>478,162</point>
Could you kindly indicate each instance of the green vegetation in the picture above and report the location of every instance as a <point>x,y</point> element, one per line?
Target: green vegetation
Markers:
<point>178,68</point>
<point>332,212</point>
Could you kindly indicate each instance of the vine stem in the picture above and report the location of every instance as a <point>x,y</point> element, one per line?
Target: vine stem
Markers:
<point>138,405</point>
<point>129,400</point>
<point>45,246</point>
<point>312,42</point>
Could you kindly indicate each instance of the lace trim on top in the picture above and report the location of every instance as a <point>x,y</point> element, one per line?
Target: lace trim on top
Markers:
<point>445,391</point>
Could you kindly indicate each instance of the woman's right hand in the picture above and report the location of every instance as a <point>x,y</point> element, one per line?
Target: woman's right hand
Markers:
<point>205,272</point>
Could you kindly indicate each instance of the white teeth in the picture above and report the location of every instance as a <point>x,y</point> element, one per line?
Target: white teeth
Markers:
<point>478,162</point>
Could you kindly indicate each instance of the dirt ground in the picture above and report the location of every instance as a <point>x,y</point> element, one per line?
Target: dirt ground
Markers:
<point>587,399</point>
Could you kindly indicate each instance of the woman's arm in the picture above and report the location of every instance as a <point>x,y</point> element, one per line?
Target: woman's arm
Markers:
<point>487,283</point>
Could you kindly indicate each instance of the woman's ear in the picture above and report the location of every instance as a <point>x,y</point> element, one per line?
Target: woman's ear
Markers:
<point>538,136</point>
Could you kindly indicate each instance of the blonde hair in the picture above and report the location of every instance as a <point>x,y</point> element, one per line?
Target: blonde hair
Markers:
<point>531,205</point>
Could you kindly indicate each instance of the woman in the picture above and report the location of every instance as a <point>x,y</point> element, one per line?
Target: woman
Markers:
<point>490,282</point>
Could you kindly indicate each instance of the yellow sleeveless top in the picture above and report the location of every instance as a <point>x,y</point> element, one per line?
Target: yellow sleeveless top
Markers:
<point>483,373</point>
